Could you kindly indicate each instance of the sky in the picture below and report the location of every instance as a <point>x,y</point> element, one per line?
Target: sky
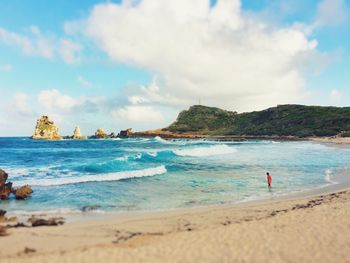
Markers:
<point>138,63</point>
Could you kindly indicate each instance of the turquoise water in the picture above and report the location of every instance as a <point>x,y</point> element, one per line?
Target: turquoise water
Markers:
<point>153,174</point>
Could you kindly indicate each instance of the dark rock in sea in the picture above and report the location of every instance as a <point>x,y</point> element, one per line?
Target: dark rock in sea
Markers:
<point>90,208</point>
<point>5,191</point>
<point>112,135</point>
<point>23,192</point>
<point>125,133</point>
<point>46,222</point>
<point>3,177</point>
<point>6,188</point>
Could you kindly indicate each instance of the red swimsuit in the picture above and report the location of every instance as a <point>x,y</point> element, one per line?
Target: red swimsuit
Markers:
<point>269,180</point>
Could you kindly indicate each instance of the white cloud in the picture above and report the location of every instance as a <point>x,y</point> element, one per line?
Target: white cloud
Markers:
<point>55,101</point>
<point>11,38</point>
<point>138,114</point>
<point>216,54</point>
<point>332,12</point>
<point>84,82</point>
<point>6,68</point>
<point>37,44</point>
<point>20,104</point>
<point>69,51</point>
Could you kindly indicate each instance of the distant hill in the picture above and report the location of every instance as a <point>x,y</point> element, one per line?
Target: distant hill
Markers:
<point>283,120</point>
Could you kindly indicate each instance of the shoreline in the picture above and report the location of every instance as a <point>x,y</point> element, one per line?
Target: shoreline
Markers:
<point>310,225</point>
<point>341,181</point>
<point>115,237</point>
<point>222,138</point>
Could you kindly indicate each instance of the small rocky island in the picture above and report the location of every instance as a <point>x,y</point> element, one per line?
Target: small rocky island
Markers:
<point>77,134</point>
<point>46,130</point>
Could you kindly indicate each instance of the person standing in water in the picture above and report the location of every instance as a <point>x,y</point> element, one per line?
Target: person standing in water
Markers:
<point>269,179</point>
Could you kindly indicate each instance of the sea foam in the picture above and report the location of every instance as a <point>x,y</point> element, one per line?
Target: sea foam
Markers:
<point>205,151</point>
<point>98,178</point>
<point>328,177</point>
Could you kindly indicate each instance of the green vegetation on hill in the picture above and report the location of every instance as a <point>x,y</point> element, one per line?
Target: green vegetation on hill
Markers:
<point>207,120</point>
<point>283,120</point>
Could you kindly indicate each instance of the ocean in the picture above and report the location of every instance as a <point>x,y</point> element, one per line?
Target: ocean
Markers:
<point>118,175</point>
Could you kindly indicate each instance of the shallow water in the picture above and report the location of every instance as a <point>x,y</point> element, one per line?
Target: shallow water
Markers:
<point>153,174</point>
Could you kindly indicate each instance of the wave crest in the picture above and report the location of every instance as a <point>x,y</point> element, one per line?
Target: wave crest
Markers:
<point>206,151</point>
<point>98,178</point>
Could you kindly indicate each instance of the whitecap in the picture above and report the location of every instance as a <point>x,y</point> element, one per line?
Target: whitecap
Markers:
<point>153,154</point>
<point>160,139</point>
<point>98,177</point>
<point>206,151</point>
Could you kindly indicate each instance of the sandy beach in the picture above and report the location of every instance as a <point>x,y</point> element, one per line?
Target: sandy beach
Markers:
<point>297,229</point>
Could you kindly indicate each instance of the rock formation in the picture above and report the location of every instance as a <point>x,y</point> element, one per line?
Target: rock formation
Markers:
<point>125,133</point>
<point>77,134</point>
<point>6,188</point>
<point>23,192</point>
<point>101,134</point>
<point>3,177</point>
<point>46,129</point>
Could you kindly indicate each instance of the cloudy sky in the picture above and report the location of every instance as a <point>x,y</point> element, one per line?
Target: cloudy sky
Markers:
<point>137,63</point>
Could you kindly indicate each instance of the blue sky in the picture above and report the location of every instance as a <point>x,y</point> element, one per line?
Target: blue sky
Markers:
<point>117,65</point>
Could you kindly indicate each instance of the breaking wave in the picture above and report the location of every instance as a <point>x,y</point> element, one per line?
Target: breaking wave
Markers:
<point>98,178</point>
<point>205,151</point>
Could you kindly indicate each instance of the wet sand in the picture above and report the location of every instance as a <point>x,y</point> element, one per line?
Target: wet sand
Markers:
<point>299,229</point>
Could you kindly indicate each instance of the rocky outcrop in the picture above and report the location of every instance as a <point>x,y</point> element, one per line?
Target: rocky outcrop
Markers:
<point>77,134</point>
<point>3,177</point>
<point>125,133</point>
<point>23,192</point>
<point>101,134</point>
<point>6,188</point>
<point>5,191</point>
<point>46,129</point>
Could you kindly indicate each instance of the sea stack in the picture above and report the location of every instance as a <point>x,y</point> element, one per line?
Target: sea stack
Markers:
<point>101,134</point>
<point>77,134</point>
<point>46,130</point>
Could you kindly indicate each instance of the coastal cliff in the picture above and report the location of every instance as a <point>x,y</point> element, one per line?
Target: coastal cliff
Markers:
<point>46,130</point>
